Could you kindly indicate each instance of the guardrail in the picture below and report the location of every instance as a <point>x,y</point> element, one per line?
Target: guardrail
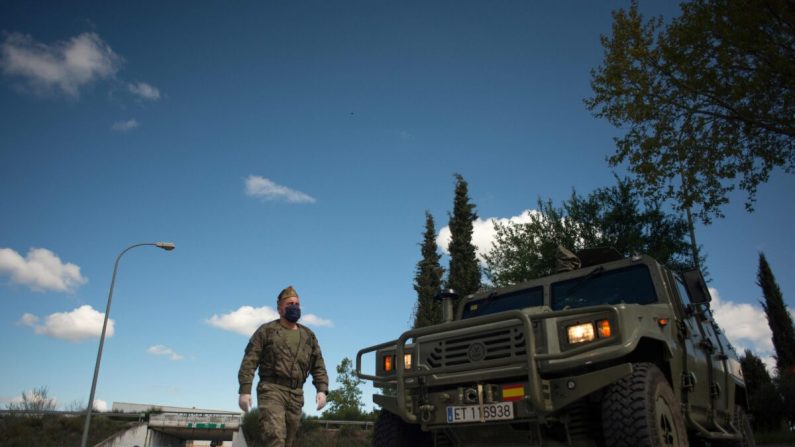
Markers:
<point>139,416</point>
<point>222,421</point>
<point>326,423</point>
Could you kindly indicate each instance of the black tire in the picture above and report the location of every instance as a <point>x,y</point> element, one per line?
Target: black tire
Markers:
<point>390,430</point>
<point>641,410</point>
<point>740,420</point>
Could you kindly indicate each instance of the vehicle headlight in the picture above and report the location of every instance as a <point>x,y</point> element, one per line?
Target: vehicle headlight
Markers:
<point>407,360</point>
<point>388,363</point>
<point>580,333</point>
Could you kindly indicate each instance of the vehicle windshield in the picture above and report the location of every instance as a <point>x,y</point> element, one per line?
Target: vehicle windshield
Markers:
<point>631,285</point>
<point>507,301</point>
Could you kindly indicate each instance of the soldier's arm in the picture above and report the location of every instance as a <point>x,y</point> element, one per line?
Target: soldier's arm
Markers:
<point>318,369</point>
<point>248,366</point>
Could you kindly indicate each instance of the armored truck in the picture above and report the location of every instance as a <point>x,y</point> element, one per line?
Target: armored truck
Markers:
<point>611,351</point>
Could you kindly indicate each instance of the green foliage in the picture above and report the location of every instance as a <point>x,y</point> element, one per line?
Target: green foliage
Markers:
<point>785,383</point>
<point>778,317</point>
<point>428,278</point>
<point>608,217</point>
<point>464,272</point>
<point>766,406</point>
<point>311,433</point>
<point>55,430</point>
<point>707,101</point>
<point>345,402</point>
<point>36,400</point>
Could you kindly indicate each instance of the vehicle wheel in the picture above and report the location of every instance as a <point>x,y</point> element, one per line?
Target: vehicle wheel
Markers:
<point>741,421</point>
<point>642,410</point>
<point>390,430</point>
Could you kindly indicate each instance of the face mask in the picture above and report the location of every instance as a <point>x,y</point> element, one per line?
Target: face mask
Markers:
<point>292,313</point>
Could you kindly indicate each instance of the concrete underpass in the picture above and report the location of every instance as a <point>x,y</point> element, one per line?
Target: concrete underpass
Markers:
<point>181,430</point>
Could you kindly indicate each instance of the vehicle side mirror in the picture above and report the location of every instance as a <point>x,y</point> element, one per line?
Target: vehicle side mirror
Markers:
<point>696,287</point>
<point>446,296</point>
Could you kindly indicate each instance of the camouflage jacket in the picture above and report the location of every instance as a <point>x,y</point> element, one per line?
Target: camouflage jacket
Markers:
<point>268,350</point>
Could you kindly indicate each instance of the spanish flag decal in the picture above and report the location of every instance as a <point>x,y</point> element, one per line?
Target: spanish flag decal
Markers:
<point>512,392</point>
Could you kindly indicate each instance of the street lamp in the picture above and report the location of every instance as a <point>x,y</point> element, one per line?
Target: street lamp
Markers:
<point>168,246</point>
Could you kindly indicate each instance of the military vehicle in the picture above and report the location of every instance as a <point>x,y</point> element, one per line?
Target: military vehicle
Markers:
<point>613,352</point>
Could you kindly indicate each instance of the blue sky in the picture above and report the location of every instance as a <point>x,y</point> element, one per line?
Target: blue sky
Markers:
<point>286,143</point>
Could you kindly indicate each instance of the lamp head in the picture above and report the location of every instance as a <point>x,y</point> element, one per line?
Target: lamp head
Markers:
<point>168,246</point>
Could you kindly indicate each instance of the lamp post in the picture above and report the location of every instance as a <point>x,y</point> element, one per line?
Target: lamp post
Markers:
<point>168,246</point>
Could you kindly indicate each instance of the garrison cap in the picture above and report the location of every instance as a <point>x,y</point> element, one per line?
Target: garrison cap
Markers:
<point>287,293</point>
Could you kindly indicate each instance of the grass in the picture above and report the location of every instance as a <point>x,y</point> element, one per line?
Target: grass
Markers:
<point>776,437</point>
<point>55,430</point>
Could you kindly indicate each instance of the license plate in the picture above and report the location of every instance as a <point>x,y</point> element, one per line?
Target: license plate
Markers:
<point>502,411</point>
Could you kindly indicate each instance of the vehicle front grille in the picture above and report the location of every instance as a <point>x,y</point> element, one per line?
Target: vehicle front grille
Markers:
<point>475,348</point>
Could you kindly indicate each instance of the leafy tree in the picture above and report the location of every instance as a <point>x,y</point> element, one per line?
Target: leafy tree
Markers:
<point>778,317</point>
<point>428,278</point>
<point>707,100</point>
<point>37,400</point>
<point>345,402</point>
<point>464,273</point>
<point>765,402</point>
<point>521,252</point>
<point>608,217</point>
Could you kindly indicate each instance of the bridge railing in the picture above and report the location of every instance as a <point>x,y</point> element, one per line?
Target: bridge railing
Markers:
<point>195,420</point>
<point>326,423</point>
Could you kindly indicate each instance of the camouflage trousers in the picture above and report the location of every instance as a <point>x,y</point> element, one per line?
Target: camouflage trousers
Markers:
<point>279,414</point>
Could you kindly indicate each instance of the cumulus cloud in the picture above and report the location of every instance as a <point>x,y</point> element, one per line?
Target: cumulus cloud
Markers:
<point>160,350</point>
<point>40,270</point>
<point>266,189</point>
<point>125,126</point>
<point>314,320</point>
<point>247,319</point>
<point>745,326</point>
<point>144,90</point>
<point>79,324</point>
<point>100,405</point>
<point>62,67</point>
<point>483,233</point>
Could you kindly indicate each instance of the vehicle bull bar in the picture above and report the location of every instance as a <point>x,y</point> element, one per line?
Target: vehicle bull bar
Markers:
<point>532,357</point>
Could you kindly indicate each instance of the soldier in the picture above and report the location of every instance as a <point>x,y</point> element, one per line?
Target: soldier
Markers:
<point>285,353</point>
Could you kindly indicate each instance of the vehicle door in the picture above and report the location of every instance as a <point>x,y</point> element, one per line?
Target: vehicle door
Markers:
<point>697,365</point>
<point>722,383</point>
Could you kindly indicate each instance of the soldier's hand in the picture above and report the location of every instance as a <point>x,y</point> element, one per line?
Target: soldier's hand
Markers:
<point>244,402</point>
<point>321,400</point>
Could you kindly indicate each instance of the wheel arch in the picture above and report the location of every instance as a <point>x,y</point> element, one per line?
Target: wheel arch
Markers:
<point>651,350</point>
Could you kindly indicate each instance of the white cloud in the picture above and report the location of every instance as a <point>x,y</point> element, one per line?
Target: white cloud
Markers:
<point>125,126</point>
<point>483,232</point>
<point>745,326</point>
<point>314,320</point>
<point>164,350</point>
<point>41,270</point>
<point>64,66</point>
<point>100,405</point>
<point>144,90</point>
<point>247,319</point>
<point>79,324</point>
<point>266,189</point>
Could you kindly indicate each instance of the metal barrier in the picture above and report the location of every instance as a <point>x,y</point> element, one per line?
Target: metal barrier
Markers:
<point>365,425</point>
<point>139,416</point>
<point>222,421</point>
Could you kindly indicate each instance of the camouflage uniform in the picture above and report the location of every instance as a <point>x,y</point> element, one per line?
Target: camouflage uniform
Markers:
<point>282,372</point>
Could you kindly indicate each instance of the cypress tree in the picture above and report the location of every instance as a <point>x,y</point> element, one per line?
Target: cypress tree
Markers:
<point>766,406</point>
<point>778,317</point>
<point>464,275</point>
<point>428,278</point>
